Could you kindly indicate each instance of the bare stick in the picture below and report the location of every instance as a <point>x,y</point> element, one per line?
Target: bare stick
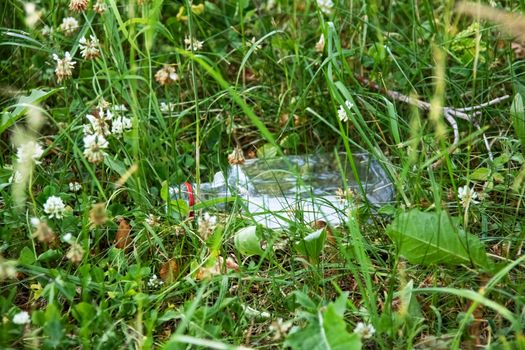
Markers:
<point>450,113</point>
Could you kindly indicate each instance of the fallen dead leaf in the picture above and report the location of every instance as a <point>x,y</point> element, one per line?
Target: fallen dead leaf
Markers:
<point>123,238</point>
<point>217,268</point>
<point>169,271</point>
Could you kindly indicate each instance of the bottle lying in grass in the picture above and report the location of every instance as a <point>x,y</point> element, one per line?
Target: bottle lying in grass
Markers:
<point>281,190</point>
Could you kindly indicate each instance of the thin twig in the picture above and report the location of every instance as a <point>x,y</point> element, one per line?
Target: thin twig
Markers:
<point>450,113</point>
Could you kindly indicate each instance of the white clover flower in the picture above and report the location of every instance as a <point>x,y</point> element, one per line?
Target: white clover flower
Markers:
<point>78,5</point>
<point>54,207</point>
<point>30,151</point>
<point>152,220</point>
<point>100,7</point>
<point>47,30</point>
<point>35,221</point>
<point>119,108</point>
<point>68,237</point>
<point>21,318</point>
<point>7,269</point>
<point>75,253</point>
<point>17,177</point>
<point>155,282</point>
<point>253,43</point>
<point>89,47</point>
<point>32,15</point>
<point>166,75</point>
<point>65,66</point>
<point>280,328</point>
<point>69,26</point>
<point>193,44</point>
<point>326,6</point>
<point>319,47</point>
<point>343,116</point>
<point>467,196</point>
<point>75,186</point>
<point>98,123</point>
<point>120,125</point>
<point>167,107</point>
<point>94,146</point>
<point>207,225</point>
<point>365,331</point>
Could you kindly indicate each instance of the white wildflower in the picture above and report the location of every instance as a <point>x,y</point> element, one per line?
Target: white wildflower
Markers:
<point>167,107</point>
<point>32,15</point>
<point>75,253</point>
<point>280,328</point>
<point>326,6</point>
<point>30,151</point>
<point>17,177</point>
<point>365,331</point>
<point>7,269</point>
<point>78,5</point>
<point>65,66</point>
<point>119,108</point>
<point>120,125</point>
<point>68,237</point>
<point>343,115</point>
<point>98,123</point>
<point>69,26</point>
<point>155,282</point>
<point>89,47</point>
<point>94,146</point>
<point>207,225</point>
<point>253,43</point>
<point>47,30</point>
<point>319,47</point>
<point>193,44</point>
<point>100,7</point>
<point>54,207</point>
<point>35,221</point>
<point>467,196</point>
<point>152,220</point>
<point>21,318</point>
<point>75,186</point>
<point>166,75</point>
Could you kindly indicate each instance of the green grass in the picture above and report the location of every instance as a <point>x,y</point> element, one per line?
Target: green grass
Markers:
<point>282,97</point>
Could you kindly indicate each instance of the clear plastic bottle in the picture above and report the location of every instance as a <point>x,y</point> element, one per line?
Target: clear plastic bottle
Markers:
<point>278,191</point>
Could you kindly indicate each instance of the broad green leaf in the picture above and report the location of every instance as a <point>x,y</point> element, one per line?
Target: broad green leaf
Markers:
<point>312,245</point>
<point>24,102</point>
<point>433,238</point>
<point>480,174</point>
<point>27,257</point>
<point>327,332</point>
<point>53,327</point>
<point>248,242</point>
<point>267,151</point>
<point>84,312</point>
<point>337,337</point>
<point>484,174</point>
<point>517,112</point>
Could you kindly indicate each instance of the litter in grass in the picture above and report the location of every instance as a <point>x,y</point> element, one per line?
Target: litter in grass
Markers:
<point>279,190</point>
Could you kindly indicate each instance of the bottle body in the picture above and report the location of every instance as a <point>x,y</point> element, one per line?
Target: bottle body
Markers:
<point>278,191</point>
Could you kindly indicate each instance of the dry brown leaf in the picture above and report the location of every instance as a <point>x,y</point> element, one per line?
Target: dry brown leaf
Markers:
<point>123,238</point>
<point>169,271</point>
<point>319,224</point>
<point>217,268</point>
<point>518,49</point>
